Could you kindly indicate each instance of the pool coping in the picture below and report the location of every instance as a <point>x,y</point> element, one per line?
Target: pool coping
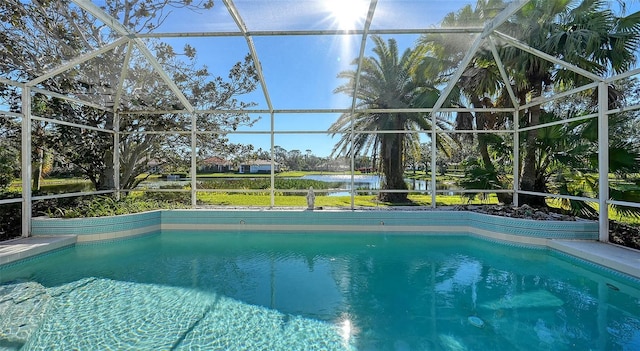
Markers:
<point>537,233</point>
<point>23,248</point>
<point>622,259</point>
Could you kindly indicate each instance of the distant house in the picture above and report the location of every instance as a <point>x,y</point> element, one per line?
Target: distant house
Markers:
<point>214,165</point>
<point>258,166</point>
<point>154,166</point>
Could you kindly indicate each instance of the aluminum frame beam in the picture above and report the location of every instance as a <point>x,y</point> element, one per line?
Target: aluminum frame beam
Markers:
<point>122,30</point>
<point>71,124</point>
<point>78,60</point>
<point>542,100</point>
<point>603,162</point>
<point>10,82</point>
<point>70,99</point>
<point>10,201</point>
<point>12,114</point>
<point>555,123</point>
<point>503,16</point>
<point>356,85</point>
<point>623,75</point>
<point>503,73</point>
<point>60,196</point>
<point>559,196</point>
<point>26,161</point>
<point>233,11</point>
<point>275,33</point>
<point>541,54</point>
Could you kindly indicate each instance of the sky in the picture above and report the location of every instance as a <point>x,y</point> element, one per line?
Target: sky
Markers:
<point>299,71</point>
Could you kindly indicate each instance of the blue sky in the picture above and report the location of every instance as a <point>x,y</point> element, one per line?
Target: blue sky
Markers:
<point>300,71</point>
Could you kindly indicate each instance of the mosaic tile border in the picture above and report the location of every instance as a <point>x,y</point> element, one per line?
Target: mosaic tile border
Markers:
<point>506,229</point>
<point>119,239</point>
<point>598,268</point>
<point>99,228</point>
<point>515,232</point>
<point>509,243</point>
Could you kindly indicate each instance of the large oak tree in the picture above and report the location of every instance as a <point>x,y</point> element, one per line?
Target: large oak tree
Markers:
<point>58,31</point>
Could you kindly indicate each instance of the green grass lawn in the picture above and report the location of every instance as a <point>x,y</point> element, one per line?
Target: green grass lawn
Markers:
<point>231,199</point>
<point>288,174</point>
<point>58,185</point>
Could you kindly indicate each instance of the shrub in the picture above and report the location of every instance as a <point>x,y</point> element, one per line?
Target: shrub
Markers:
<point>265,183</point>
<point>180,197</point>
<point>100,206</point>
<point>8,166</point>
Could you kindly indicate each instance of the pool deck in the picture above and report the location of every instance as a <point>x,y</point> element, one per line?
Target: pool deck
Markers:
<point>616,257</point>
<point>619,258</point>
<point>21,248</point>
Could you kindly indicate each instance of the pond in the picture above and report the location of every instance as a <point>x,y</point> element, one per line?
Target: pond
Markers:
<point>372,182</point>
<point>360,182</point>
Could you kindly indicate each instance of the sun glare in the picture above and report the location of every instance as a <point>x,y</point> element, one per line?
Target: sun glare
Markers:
<point>347,14</point>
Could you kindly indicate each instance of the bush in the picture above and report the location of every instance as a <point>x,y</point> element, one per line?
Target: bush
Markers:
<point>75,187</point>
<point>101,206</point>
<point>9,165</point>
<point>180,197</point>
<point>10,221</point>
<point>177,174</point>
<point>265,183</point>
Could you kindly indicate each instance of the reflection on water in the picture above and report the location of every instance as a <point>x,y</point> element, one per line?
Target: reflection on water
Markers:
<point>371,182</point>
<point>336,291</point>
<point>360,182</point>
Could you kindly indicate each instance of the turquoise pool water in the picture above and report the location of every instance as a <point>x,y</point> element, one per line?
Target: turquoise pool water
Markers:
<point>257,291</point>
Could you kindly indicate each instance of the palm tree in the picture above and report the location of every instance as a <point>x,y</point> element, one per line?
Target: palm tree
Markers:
<point>567,153</point>
<point>480,79</point>
<point>388,81</point>
<point>584,33</point>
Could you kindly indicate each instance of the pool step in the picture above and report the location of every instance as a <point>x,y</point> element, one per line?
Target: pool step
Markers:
<point>21,248</point>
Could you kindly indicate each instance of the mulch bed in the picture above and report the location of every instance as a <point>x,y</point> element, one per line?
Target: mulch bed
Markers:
<point>625,235</point>
<point>619,233</point>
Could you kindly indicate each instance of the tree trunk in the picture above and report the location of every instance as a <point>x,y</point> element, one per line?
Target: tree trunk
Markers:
<point>106,180</point>
<point>391,155</point>
<point>528,179</point>
<point>481,124</point>
<point>36,172</point>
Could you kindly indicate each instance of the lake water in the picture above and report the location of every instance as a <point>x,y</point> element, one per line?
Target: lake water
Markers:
<point>360,182</point>
<point>370,182</point>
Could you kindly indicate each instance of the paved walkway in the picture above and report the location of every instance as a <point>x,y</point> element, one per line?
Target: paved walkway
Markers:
<point>17,249</point>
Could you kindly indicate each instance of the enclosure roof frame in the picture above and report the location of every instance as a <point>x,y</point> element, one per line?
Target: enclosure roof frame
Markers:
<point>487,34</point>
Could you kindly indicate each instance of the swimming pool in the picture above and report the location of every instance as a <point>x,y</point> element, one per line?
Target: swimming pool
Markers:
<point>269,291</point>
